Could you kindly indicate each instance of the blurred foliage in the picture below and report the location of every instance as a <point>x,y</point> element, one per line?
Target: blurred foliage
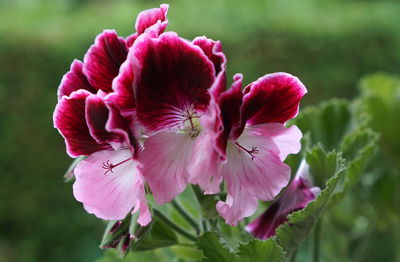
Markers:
<point>329,44</point>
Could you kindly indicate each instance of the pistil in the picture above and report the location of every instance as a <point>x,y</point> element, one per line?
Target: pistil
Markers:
<point>110,166</point>
<point>252,152</point>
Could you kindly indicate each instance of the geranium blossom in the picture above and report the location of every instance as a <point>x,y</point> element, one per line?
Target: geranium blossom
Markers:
<point>295,197</point>
<point>108,181</point>
<point>252,144</point>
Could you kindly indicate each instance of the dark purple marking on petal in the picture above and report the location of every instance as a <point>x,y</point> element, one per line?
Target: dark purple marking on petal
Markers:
<point>172,79</point>
<point>69,118</point>
<point>274,98</point>
<point>74,80</point>
<point>97,114</point>
<point>103,59</point>
<point>229,103</point>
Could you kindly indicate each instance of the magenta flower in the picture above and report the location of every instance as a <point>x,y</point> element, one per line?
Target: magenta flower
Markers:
<point>295,197</point>
<point>108,182</point>
<point>174,83</point>
<point>252,143</point>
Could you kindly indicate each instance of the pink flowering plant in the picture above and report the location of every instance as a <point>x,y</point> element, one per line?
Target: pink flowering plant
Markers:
<point>172,155</point>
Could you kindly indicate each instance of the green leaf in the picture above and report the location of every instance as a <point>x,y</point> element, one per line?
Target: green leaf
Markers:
<point>260,251</point>
<point>326,165</point>
<point>160,235</point>
<point>253,251</point>
<point>231,236</point>
<point>380,97</point>
<point>213,250</point>
<point>327,123</point>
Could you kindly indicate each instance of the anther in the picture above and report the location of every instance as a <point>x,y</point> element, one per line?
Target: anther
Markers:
<point>110,166</point>
<point>252,152</point>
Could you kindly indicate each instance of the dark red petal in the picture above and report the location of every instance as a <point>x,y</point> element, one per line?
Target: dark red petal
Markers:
<point>97,114</point>
<point>229,104</point>
<point>74,80</point>
<point>123,95</point>
<point>149,17</point>
<point>131,39</point>
<point>119,125</point>
<point>103,59</point>
<point>69,119</point>
<point>172,77</point>
<point>274,98</point>
<point>213,50</point>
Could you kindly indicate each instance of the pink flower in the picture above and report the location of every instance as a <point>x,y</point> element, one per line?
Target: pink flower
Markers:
<point>174,82</point>
<point>252,143</point>
<point>295,197</point>
<point>108,182</point>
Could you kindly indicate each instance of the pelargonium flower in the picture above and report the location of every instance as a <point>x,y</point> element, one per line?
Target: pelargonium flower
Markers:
<point>295,197</point>
<point>108,181</point>
<point>252,143</point>
<point>174,83</point>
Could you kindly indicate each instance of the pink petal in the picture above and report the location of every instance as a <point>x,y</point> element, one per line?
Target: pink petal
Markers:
<point>69,118</point>
<point>97,114</point>
<point>213,50</point>
<point>165,160</point>
<point>259,175</point>
<point>172,78</point>
<point>74,80</point>
<point>103,59</point>
<point>238,205</point>
<point>111,195</point>
<point>295,197</point>
<point>286,139</point>
<point>274,98</point>
<point>205,166</point>
<point>149,17</point>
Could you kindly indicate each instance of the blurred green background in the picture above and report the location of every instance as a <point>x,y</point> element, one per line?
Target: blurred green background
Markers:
<point>329,44</point>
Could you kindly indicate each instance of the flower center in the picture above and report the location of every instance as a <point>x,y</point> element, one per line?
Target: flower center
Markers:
<point>191,123</point>
<point>108,166</point>
<point>254,151</point>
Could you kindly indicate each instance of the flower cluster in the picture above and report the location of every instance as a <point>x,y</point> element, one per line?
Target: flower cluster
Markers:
<point>153,109</point>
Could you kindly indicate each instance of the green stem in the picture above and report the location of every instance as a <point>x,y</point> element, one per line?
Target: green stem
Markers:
<point>198,194</point>
<point>186,216</point>
<point>317,237</point>
<point>293,257</point>
<point>174,226</point>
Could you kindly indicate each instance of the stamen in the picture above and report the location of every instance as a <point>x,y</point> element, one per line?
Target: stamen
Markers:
<point>110,166</point>
<point>252,152</point>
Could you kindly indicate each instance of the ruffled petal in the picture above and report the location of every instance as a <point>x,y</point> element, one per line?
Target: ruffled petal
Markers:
<point>253,170</point>
<point>287,139</point>
<point>111,195</point>
<point>165,161</point>
<point>274,98</point>
<point>74,80</point>
<point>213,50</point>
<point>103,59</point>
<point>229,103</point>
<point>295,197</point>
<point>97,114</point>
<point>69,118</point>
<point>122,85</point>
<point>238,205</point>
<point>148,18</point>
<point>131,39</point>
<point>172,78</point>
